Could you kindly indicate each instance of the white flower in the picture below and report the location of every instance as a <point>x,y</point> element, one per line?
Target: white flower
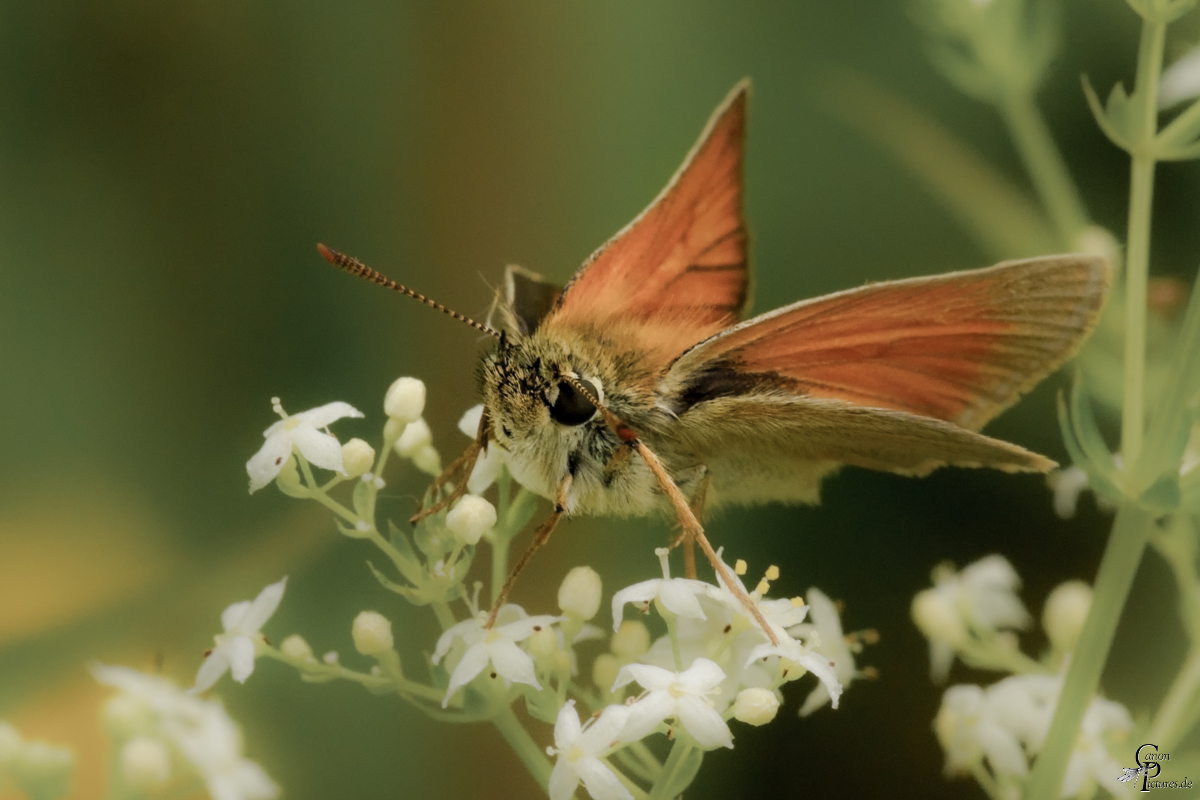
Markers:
<point>213,744</point>
<point>302,433</point>
<point>968,733</point>
<point>828,640</point>
<point>235,648</point>
<point>1067,484</point>
<point>491,461</point>
<point>579,750</point>
<point>1091,762</point>
<point>1180,81</point>
<point>497,645</point>
<point>1065,612</point>
<point>416,436</point>
<point>200,730</point>
<point>981,599</point>
<point>808,658</point>
<point>145,763</point>
<point>683,695</point>
<point>678,595</point>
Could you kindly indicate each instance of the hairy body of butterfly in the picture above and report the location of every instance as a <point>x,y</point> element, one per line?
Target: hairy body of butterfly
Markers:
<point>635,388</point>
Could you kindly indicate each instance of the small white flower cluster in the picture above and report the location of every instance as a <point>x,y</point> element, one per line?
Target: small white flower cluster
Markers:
<point>166,737</point>
<point>994,733</point>
<point>713,664</point>
<point>36,768</point>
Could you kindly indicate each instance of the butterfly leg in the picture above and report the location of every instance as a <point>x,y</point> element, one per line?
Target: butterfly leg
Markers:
<point>466,463</point>
<point>540,538</point>
<point>695,531</point>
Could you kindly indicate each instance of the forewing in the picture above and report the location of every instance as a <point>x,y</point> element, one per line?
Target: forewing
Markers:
<point>529,298</point>
<point>683,259</point>
<point>959,347</point>
<point>773,446</point>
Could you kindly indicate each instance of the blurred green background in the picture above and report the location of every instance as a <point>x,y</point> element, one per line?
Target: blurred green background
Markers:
<point>165,171</point>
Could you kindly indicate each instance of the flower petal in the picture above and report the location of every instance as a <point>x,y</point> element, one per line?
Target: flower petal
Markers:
<point>703,722</point>
<point>818,665</point>
<point>646,714</point>
<point>1003,750</point>
<point>471,664</point>
<point>604,731</point>
<point>816,699</point>
<point>513,663</point>
<point>487,469</point>
<point>459,631</point>
<point>210,672</point>
<point>323,416</point>
<point>702,676</point>
<point>679,597</point>
<point>321,449</point>
<point>240,652</point>
<point>469,422</point>
<point>648,676</point>
<point>253,782</point>
<point>566,726</point>
<point>524,628</point>
<point>264,465</point>
<point>642,592</point>
<point>563,779</point>
<point>233,614</point>
<point>262,608</point>
<point>600,781</point>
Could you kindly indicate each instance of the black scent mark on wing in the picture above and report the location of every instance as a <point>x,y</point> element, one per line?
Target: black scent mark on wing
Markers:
<point>726,380</point>
<point>734,266</point>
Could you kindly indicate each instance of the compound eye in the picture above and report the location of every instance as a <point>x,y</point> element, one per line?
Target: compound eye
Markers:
<point>572,406</point>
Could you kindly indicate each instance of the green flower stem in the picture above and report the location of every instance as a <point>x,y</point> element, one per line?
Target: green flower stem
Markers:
<point>634,789</point>
<point>1045,166</point>
<point>445,616</point>
<point>500,542</point>
<point>1117,568</point>
<point>987,782</point>
<point>634,765</point>
<point>679,751</point>
<point>643,754</point>
<point>1177,714</point>
<point>532,756</point>
<point>1137,251</point>
<point>317,494</point>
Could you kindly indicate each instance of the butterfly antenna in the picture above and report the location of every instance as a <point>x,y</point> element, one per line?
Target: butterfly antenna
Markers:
<point>356,267</point>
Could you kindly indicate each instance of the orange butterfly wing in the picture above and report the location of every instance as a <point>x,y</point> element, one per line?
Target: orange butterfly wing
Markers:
<point>959,347</point>
<point>680,267</point>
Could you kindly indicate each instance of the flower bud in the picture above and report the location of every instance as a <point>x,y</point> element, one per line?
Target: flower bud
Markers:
<point>544,643</point>
<point>357,457</point>
<point>405,399</point>
<point>428,460</point>
<point>631,641</point>
<point>604,671</point>
<point>127,715</point>
<point>296,647</point>
<point>393,429</point>
<point>43,769</point>
<point>372,633</point>
<point>755,706</point>
<point>937,617</point>
<point>579,594</point>
<point>1065,612</point>
<point>416,436</point>
<point>471,518</point>
<point>288,480</point>
<point>145,763</point>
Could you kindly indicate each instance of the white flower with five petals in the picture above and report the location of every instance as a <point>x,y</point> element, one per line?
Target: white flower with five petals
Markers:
<point>498,646</point>
<point>580,749</point>
<point>683,695</point>
<point>678,595</point>
<point>824,635</point>
<point>303,433</point>
<point>236,647</point>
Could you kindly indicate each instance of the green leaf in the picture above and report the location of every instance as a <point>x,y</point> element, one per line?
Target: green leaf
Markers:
<point>1087,432</point>
<point>1112,131</point>
<point>1182,153</point>
<point>389,584</point>
<point>1182,130</point>
<point>1003,219</point>
<point>361,498</point>
<point>1100,482</point>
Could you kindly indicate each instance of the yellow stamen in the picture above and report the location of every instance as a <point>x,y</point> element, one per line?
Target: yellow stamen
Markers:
<point>739,567</point>
<point>772,572</point>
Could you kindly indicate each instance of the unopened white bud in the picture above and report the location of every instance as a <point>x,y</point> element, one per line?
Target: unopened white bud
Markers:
<point>937,617</point>
<point>428,460</point>
<point>296,647</point>
<point>544,643</point>
<point>145,763</point>
<point>405,399</point>
<point>605,669</point>
<point>372,633</point>
<point>1066,610</point>
<point>471,517</point>
<point>631,641</point>
<point>127,715</point>
<point>357,457</point>
<point>579,594</point>
<point>393,429</point>
<point>755,706</point>
<point>415,437</point>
